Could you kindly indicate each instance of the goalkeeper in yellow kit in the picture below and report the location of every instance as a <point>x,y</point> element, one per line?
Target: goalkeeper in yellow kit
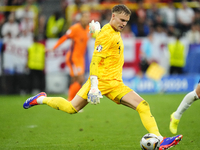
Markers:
<point>106,78</point>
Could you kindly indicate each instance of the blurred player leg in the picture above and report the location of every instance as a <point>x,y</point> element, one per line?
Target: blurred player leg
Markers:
<point>77,82</point>
<point>77,70</point>
<point>185,104</point>
<point>73,89</point>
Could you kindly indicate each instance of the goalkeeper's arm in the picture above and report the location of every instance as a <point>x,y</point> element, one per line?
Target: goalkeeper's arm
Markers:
<point>94,94</point>
<point>94,70</point>
<point>94,65</point>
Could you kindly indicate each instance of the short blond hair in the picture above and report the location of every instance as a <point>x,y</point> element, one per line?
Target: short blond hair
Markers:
<point>121,9</point>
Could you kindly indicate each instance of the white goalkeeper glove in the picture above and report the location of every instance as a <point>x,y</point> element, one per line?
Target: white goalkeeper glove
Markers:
<point>94,26</point>
<point>94,94</point>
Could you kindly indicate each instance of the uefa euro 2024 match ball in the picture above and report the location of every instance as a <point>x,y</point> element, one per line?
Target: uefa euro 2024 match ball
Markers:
<point>150,142</point>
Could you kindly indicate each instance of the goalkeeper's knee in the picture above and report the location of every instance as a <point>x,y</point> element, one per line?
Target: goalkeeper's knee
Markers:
<point>60,103</point>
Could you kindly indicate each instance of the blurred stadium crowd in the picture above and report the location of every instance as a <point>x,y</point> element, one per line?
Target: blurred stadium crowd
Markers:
<point>26,18</point>
<point>47,19</point>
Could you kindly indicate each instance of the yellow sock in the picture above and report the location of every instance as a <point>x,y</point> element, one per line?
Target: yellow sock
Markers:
<point>60,104</point>
<point>147,119</point>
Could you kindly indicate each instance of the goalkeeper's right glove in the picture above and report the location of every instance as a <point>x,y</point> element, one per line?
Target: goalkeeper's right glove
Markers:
<point>94,26</point>
<point>94,94</point>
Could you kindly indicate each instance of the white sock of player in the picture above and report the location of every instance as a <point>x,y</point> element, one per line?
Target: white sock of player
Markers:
<point>185,104</point>
<point>160,138</point>
<point>40,99</point>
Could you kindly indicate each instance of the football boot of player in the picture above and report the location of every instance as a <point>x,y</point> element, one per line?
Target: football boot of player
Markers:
<point>173,126</point>
<point>169,142</point>
<point>32,101</point>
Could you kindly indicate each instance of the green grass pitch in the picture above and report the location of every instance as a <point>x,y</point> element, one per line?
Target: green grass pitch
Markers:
<point>106,126</point>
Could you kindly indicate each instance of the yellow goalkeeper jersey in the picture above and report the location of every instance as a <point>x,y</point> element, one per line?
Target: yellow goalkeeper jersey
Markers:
<point>109,46</point>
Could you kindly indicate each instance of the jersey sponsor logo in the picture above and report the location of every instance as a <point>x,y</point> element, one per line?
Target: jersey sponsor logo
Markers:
<point>99,48</point>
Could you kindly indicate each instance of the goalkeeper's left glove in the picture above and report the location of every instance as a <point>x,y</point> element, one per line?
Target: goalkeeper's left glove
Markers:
<point>94,94</point>
<point>94,26</point>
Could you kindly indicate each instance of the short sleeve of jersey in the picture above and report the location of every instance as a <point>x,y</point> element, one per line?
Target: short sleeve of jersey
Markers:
<point>70,32</point>
<point>103,42</point>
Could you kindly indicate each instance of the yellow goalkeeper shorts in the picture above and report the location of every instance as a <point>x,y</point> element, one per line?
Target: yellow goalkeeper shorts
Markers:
<point>112,89</point>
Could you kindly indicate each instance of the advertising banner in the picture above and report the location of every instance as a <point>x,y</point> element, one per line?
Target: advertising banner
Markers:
<point>55,61</point>
<point>15,56</point>
<point>168,84</point>
<point>192,60</point>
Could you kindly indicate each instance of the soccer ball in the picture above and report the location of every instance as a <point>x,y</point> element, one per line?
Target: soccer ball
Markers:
<point>150,142</point>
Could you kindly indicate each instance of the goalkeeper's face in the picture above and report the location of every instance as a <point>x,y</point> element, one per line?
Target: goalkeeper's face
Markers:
<point>119,21</point>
